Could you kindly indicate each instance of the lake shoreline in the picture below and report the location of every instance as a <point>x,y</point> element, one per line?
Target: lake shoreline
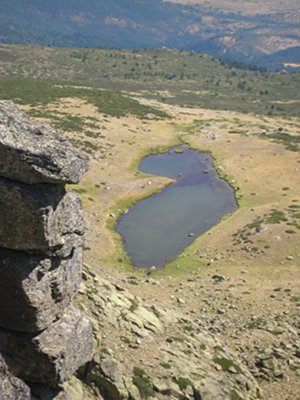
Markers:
<point>194,168</point>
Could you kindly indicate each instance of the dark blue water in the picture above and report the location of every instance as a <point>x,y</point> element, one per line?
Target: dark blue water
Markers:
<point>160,227</point>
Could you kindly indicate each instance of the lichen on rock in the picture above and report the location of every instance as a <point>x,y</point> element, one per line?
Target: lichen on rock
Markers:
<point>35,153</point>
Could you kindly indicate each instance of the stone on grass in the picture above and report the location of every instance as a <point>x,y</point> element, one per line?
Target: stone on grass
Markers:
<point>43,218</point>
<point>36,290</point>
<point>53,355</point>
<point>34,153</point>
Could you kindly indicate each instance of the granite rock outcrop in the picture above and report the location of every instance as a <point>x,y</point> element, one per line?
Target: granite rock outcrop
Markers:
<point>43,287</point>
<point>12,388</point>
<point>44,339</point>
<point>35,153</point>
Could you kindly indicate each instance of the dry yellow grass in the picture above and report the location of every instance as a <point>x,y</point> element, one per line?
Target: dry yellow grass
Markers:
<point>260,168</point>
<point>268,177</point>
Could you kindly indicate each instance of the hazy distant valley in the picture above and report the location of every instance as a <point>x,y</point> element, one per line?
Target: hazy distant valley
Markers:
<point>267,36</point>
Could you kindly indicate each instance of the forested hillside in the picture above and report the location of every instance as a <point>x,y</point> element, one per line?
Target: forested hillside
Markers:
<point>170,76</point>
<point>268,40</point>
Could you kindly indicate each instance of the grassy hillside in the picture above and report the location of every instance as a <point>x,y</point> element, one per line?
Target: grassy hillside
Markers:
<point>41,92</point>
<point>135,24</point>
<point>173,77</point>
<point>240,281</point>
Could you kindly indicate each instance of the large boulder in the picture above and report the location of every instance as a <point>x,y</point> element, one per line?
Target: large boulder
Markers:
<point>36,290</point>
<point>12,388</point>
<point>34,153</point>
<point>52,355</point>
<point>43,218</point>
<point>104,373</point>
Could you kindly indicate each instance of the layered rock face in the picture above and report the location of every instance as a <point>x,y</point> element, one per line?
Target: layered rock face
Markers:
<point>43,337</point>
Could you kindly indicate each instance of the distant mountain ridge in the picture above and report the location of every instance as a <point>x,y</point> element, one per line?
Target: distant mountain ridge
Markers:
<point>246,7</point>
<point>139,24</point>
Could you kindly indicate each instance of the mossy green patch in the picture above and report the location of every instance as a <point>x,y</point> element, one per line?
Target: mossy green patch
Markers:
<point>290,231</point>
<point>166,365</point>
<point>295,299</point>
<point>37,92</point>
<point>79,190</point>
<point>235,396</point>
<point>258,323</point>
<point>291,142</point>
<point>226,364</point>
<point>276,217</point>
<point>142,382</point>
<point>182,382</point>
<point>177,339</point>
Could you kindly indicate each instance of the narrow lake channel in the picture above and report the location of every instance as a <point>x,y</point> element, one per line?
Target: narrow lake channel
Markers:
<point>160,227</point>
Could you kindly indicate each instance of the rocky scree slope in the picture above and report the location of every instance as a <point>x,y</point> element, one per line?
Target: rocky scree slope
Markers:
<point>196,339</point>
<point>147,351</point>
